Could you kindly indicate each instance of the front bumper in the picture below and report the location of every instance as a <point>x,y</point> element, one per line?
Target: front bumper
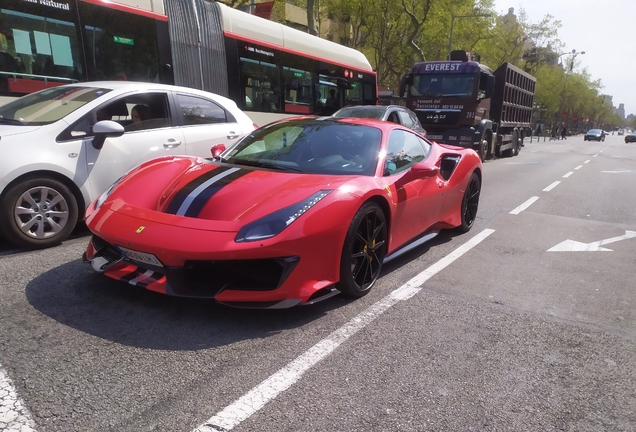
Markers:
<point>299,267</point>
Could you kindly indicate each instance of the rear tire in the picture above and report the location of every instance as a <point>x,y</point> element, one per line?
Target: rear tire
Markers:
<point>470,203</point>
<point>363,251</point>
<point>38,213</point>
<point>515,140</point>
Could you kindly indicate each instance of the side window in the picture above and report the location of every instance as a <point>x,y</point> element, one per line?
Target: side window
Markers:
<point>405,119</point>
<point>415,120</point>
<point>138,112</point>
<point>198,111</point>
<point>393,117</point>
<point>78,130</point>
<point>404,150</point>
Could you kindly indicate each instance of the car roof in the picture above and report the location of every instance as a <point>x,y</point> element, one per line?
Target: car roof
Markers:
<point>365,121</point>
<point>376,107</point>
<point>124,86</point>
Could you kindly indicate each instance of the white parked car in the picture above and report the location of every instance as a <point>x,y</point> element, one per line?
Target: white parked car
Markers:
<point>62,147</point>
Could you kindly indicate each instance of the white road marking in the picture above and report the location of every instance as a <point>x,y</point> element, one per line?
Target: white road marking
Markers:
<point>568,174</point>
<point>578,167</point>
<point>574,246</point>
<point>14,417</point>
<point>616,172</point>
<point>256,398</point>
<point>587,161</point>
<point>552,186</point>
<point>525,205</point>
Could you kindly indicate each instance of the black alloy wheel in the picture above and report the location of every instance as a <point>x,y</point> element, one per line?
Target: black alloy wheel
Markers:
<point>470,203</point>
<point>363,251</point>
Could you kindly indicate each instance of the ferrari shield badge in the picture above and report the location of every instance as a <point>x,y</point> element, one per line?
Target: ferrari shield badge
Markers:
<point>140,229</point>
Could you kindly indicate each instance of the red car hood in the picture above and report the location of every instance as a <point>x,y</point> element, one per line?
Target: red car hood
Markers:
<point>219,192</point>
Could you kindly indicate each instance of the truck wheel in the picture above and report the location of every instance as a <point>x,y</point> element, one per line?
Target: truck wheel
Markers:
<point>38,213</point>
<point>515,140</point>
<point>483,150</point>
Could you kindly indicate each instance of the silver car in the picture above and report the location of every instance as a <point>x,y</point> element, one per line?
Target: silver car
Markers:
<point>393,113</point>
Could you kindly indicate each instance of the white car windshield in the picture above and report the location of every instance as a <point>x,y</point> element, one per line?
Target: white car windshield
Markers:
<point>48,106</point>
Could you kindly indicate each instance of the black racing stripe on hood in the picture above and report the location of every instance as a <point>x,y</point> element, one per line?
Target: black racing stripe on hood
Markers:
<point>199,202</point>
<point>181,196</point>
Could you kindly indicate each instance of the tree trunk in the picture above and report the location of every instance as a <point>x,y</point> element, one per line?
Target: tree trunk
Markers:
<point>311,22</point>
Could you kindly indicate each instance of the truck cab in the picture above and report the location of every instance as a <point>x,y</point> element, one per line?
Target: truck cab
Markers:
<point>451,98</point>
<point>463,103</point>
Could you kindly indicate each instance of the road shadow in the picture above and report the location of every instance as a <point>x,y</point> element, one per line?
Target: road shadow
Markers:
<point>80,231</point>
<point>74,295</point>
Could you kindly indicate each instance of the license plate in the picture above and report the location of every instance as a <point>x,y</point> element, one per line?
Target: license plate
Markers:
<point>141,257</point>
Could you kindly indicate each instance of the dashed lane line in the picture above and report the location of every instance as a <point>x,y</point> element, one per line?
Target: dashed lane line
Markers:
<point>524,206</point>
<point>552,186</point>
<point>280,381</point>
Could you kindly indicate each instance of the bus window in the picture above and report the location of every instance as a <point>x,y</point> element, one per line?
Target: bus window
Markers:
<point>260,79</point>
<point>119,45</point>
<point>39,48</point>
<point>298,91</point>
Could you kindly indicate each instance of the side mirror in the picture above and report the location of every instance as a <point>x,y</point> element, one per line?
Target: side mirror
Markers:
<point>424,170</point>
<point>217,150</point>
<point>490,86</point>
<point>406,81</point>
<point>420,170</point>
<point>106,129</point>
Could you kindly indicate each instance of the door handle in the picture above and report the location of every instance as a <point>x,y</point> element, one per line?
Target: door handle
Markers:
<point>232,135</point>
<point>171,143</point>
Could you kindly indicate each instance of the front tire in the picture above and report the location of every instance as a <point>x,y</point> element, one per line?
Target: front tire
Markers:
<point>38,213</point>
<point>363,251</point>
<point>483,150</point>
<point>470,203</point>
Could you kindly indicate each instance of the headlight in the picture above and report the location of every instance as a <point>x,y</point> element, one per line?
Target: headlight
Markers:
<point>106,193</point>
<point>274,223</point>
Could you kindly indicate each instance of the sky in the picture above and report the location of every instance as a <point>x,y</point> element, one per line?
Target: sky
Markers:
<point>604,29</point>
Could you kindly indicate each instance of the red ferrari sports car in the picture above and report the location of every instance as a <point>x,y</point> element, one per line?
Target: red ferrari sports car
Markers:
<point>297,211</point>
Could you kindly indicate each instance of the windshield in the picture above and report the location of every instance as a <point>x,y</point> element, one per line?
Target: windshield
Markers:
<point>364,112</point>
<point>48,106</point>
<point>311,146</point>
<point>443,85</point>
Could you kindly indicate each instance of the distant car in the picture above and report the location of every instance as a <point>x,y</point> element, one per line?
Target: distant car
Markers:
<point>63,146</point>
<point>297,211</point>
<point>630,137</point>
<point>621,132</point>
<point>594,135</point>
<point>393,113</point>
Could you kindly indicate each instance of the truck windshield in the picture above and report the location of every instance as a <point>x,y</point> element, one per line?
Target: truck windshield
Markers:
<point>443,85</point>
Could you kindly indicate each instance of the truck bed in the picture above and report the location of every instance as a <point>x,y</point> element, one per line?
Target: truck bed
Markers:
<point>512,101</point>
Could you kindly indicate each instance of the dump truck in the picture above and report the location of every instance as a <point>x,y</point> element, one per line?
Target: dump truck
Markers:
<point>463,103</point>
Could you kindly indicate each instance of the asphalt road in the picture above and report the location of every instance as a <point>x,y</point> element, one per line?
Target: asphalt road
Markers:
<point>533,329</point>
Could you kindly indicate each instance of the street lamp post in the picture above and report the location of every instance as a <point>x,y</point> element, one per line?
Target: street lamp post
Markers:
<point>574,53</point>
<point>450,40</point>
